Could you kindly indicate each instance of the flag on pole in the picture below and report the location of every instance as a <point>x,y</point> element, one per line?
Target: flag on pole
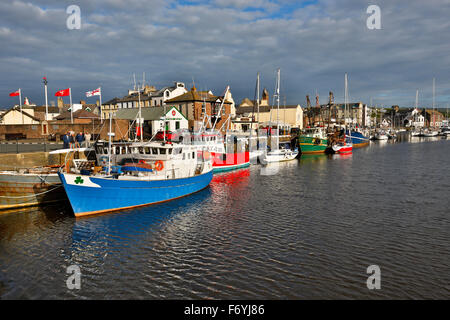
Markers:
<point>15,93</point>
<point>95,92</point>
<point>63,93</point>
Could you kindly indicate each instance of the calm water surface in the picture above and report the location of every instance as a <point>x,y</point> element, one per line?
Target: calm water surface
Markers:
<point>310,231</point>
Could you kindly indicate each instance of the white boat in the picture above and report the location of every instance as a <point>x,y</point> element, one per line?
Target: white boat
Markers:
<point>381,135</point>
<point>283,151</point>
<point>430,133</point>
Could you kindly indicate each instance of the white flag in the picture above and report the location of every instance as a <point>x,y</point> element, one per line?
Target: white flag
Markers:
<point>95,92</point>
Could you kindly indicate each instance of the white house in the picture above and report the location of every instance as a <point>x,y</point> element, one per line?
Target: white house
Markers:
<point>154,118</point>
<point>17,116</point>
<point>168,93</point>
<point>174,120</point>
<point>414,119</point>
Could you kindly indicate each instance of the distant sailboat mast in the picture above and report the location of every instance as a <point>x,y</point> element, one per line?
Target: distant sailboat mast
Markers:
<point>278,107</point>
<point>434,93</point>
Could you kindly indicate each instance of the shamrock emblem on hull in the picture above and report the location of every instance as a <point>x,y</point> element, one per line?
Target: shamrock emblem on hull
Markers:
<point>78,180</point>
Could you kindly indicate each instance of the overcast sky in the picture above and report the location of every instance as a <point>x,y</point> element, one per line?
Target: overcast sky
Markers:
<point>226,42</point>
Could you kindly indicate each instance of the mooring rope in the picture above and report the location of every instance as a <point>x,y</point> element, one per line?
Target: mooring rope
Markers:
<point>33,195</point>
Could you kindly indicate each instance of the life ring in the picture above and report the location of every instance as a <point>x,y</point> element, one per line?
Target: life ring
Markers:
<point>103,160</point>
<point>159,165</point>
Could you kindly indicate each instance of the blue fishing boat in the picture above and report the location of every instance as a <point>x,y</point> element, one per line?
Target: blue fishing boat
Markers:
<point>358,139</point>
<point>175,171</point>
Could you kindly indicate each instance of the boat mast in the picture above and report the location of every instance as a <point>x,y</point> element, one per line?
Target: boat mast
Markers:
<point>434,92</point>
<point>220,109</point>
<point>109,142</point>
<point>257,97</point>
<point>278,107</point>
<point>140,117</point>
<point>345,102</point>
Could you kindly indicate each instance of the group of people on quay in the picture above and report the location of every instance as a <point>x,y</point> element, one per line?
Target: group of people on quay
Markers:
<point>72,140</point>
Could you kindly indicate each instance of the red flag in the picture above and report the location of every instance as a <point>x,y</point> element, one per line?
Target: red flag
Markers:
<point>63,93</point>
<point>15,93</point>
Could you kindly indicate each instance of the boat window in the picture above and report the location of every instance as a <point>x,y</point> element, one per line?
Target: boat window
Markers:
<point>141,150</point>
<point>184,156</point>
<point>170,151</point>
<point>105,151</point>
<point>117,151</point>
<point>162,151</point>
<point>147,150</point>
<point>123,150</point>
<point>189,155</point>
<point>193,155</point>
<point>154,150</point>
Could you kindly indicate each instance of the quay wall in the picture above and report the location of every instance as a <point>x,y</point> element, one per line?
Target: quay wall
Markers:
<point>57,128</point>
<point>12,161</point>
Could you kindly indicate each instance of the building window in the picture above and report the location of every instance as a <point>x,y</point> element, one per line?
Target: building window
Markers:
<point>177,125</point>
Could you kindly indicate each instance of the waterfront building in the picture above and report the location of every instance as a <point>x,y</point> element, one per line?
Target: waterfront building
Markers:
<point>414,118</point>
<point>155,118</point>
<point>247,116</point>
<point>148,95</point>
<point>16,116</point>
<point>358,113</point>
<point>199,105</point>
<point>433,118</point>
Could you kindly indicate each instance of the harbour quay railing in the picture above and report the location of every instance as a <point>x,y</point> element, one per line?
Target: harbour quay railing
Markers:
<point>35,145</point>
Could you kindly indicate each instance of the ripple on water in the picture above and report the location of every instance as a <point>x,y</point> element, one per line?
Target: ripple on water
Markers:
<point>308,232</point>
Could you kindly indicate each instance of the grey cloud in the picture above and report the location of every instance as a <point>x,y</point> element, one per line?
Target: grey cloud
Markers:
<point>221,44</point>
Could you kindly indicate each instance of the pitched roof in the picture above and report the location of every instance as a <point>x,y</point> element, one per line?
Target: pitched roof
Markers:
<point>148,113</point>
<point>194,95</point>
<point>242,110</point>
<point>79,114</point>
<point>18,110</point>
<point>51,109</point>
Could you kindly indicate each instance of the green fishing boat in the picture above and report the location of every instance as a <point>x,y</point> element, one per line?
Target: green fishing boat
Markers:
<point>313,141</point>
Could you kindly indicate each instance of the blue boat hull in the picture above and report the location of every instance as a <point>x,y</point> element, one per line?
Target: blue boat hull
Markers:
<point>357,139</point>
<point>90,195</point>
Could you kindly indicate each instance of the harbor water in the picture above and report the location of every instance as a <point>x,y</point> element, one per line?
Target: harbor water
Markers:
<point>308,229</point>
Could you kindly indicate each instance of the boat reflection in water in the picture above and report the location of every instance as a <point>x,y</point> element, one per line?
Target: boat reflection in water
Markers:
<point>127,228</point>
<point>342,156</point>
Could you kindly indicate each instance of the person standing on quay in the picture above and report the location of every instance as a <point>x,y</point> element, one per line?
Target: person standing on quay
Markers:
<point>72,139</point>
<point>79,140</point>
<point>87,138</point>
<point>66,140</point>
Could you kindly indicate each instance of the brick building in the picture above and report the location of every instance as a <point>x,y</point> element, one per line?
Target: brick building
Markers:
<point>194,105</point>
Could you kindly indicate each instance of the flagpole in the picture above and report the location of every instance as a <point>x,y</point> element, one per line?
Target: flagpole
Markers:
<point>46,100</point>
<point>101,113</point>
<point>20,103</point>
<point>71,108</point>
